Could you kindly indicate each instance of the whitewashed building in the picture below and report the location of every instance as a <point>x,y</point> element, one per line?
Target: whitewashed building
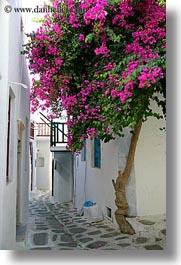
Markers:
<point>14,126</point>
<point>46,156</point>
<point>43,157</point>
<point>89,175</point>
<point>146,188</point>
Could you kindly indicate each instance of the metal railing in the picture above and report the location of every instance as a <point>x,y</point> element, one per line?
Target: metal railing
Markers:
<point>58,133</point>
<point>43,129</point>
<point>56,130</point>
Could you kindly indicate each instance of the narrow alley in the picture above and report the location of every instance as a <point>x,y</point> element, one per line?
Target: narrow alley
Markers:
<point>60,227</point>
<point>76,119</point>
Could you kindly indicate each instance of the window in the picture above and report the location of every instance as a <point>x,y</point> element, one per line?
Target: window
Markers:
<point>10,137</point>
<point>109,213</point>
<point>8,141</point>
<point>40,162</point>
<point>83,152</point>
<point>27,144</point>
<point>97,153</point>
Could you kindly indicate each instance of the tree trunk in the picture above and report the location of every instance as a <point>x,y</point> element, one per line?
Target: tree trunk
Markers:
<point>120,185</point>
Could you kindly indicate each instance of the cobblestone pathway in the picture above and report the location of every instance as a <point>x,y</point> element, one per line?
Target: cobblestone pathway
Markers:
<point>60,227</point>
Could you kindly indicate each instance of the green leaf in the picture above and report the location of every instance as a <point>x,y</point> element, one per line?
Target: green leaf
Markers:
<point>89,37</point>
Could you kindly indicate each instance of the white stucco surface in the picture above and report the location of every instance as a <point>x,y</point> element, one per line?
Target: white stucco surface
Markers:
<point>150,168</point>
<point>80,182</point>
<point>95,184</point>
<point>7,209</point>
<point>146,187</point>
<point>12,70</point>
<point>43,172</point>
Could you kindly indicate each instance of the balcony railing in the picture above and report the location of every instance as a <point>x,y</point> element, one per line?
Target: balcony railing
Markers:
<point>43,129</point>
<point>58,133</point>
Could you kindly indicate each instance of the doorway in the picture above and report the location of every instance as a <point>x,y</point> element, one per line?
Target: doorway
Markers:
<point>63,177</point>
<point>18,191</point>
<point>31,166</point>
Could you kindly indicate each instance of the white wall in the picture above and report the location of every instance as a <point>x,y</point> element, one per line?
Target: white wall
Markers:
<point>146,188</point>
<point>11,69</point>
<point>24,117</point>
<point>23,177</point>
<point>44,174</point>
<point>80,169</point>
<point>97,185</point>
<point>150,168</point>
<point>7,206</point>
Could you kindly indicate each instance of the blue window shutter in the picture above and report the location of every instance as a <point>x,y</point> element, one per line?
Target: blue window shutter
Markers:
<point>97,152</point>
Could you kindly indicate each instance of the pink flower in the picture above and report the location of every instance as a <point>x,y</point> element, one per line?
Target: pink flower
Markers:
<point>149,76</point>
<point>81,37</point>
<point>70,4</point>
<point>102,50</point>
<point>115,93</point>
<point>107,130</point>
<point>73,19</point>
<point>76,25</point>
<point>109,66</point>
<point>58,62</point>
<point>91,132</point>
<point>122,97</point>
<point>96,12</point>
<point>52,50</point>
<point>87,106</point>
<point>56,28</point>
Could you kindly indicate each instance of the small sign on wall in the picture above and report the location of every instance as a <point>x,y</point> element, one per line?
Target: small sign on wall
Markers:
<point>40,162</point>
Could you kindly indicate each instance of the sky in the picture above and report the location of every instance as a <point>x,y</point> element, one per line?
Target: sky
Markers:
<point>29,25</point>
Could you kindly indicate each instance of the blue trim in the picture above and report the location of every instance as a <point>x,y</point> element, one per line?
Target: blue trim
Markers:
<point>97,152</point>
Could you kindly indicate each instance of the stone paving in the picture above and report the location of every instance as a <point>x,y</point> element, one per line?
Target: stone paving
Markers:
<point>53,226</point>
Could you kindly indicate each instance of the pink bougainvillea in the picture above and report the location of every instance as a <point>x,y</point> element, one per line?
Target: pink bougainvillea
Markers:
<point>102,61</point>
